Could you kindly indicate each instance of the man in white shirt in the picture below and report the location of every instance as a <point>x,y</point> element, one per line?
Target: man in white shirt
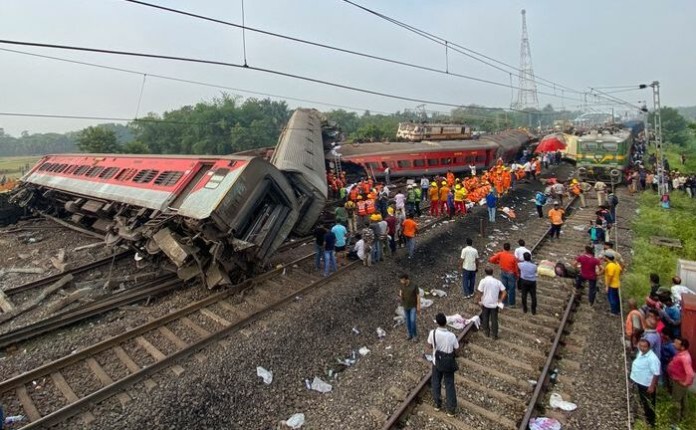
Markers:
<point>400,200</point>
<point>359,250</point>
<point>446,342</point>
<point>472,167</point>
<point>469,259</point>
<point>645,371</point>
<point>520,250</point>
<point>527,167</point>
<point>678,290</point>
<point>491,292</point>
<point>424,184</point>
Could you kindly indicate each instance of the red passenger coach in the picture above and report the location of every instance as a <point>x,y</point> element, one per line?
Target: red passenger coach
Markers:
<point>434,157</point>
<point>217,213</point>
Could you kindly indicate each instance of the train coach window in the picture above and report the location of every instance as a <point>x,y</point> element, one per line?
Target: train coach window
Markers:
<point>445,161</point>
<point>168,178</point>
<point>470,159</point>
<point>217,178</point>
<point>126,174</point>
<point>371,165</point>
<point>610,146</point>
<point>81,170</point>
<point>419,163</point>
<point>45,166</point>
<point>432,162</point>
<point>403,163</point>
<point>144,176</point>
<point>480,159</point>
<point>94,171</point>
<point>108,173</point>
<point>458,160</point>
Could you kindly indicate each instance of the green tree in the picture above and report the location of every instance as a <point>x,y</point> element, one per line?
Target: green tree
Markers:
<point>674,126</point>
<point>135,147</point>
<point>98,139</point>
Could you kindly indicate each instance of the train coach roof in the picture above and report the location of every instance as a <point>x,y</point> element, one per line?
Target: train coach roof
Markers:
<point>388,148</point>
<point>89,155</point>
<point>595,137</point>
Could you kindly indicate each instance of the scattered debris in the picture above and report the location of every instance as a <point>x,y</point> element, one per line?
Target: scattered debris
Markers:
<point>59,260</point>
<point>296,421</point>
<point>426,303</point>
<point>321,386</point>
<point>558,402</point>
<point>90,246</point>
<point>14,419</point>
<point>544,423</point>
<point>355,330</point>
<point>381,334</point>
<point>438,293</point>
<point>70,298</point>
<point>363,351</point>
<point>65,280</point>
<point>267,375</point>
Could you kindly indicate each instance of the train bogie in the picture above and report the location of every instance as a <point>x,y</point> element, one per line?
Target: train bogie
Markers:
<point>603,157</point>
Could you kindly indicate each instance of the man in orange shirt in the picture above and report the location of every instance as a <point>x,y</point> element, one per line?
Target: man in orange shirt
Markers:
<point>556,216</point>
<point>509,271</point>
<point>409,228</point>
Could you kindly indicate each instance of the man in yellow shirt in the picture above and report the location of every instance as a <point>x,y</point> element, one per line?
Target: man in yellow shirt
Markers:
<point>556,216</point>
<point>612,282</point>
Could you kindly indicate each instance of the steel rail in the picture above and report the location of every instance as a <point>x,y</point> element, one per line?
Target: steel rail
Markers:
<point>137,331</point>
<point>406,404</point>
<point>140,292</point>
<point>110,390</point>
<point>75,271</point>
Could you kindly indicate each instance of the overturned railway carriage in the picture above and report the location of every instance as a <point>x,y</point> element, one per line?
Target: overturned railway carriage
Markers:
<point>604,156</point>
<point>218,216</point>
<point>299,154</point>
<point>433,157</point>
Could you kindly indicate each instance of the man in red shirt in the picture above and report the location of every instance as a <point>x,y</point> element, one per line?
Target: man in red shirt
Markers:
<point>681,373</point>
<point>509,272</point>
<point>588,265</point>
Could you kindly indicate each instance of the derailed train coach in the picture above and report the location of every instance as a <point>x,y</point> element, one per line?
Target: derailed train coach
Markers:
<point>217,217</point>
<point>299,155</point>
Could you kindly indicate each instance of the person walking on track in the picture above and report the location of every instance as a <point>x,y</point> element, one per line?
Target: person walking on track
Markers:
<point>491,292</point>
<point>410,301</point>
<point>444,344</point>
<point>470,260</point>
<point>508,271</point>
<point>612,283</point>
<point>556,216</point>
<point>528,282</point>
<point>588,265</point>
<point>491,202</point>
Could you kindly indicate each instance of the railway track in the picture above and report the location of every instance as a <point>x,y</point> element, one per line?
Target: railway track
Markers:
<point>73,384</point>
<point>502,384</point>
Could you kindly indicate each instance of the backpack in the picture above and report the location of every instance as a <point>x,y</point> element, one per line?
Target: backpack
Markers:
<point>542,200</point>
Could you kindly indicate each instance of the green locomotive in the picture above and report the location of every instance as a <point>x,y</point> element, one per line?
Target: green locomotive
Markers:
<point>604,156</point>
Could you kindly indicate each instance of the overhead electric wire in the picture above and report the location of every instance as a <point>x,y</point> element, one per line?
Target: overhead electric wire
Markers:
<point>617,99</point>
<point>188,81</point>
<point>335,48</point>
<point>468,51</point>
<point>238,66</point>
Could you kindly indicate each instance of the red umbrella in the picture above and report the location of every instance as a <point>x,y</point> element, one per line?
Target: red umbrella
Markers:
<point>550,144</point>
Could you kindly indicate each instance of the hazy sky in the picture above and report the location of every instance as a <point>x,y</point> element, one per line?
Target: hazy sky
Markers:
<point>579,44</point>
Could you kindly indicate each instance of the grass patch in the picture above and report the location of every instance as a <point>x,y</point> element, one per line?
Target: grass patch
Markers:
<point>676,222</point>
<point>672,153</point>
<point>12,166</point>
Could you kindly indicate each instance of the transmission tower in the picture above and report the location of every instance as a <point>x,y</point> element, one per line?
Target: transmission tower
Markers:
<point>527,94</point>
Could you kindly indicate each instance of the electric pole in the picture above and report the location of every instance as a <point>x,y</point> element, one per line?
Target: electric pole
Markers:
<point>662,178</point>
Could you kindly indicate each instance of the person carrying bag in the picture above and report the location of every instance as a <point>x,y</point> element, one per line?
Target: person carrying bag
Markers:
<point>444,344</point>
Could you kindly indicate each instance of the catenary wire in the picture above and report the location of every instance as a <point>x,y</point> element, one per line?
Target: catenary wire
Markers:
<point>238,66</point>
<point>335,48</point>
<point>467,51</point>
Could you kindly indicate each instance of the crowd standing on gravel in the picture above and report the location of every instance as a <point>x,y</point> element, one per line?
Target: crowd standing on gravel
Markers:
<point>653,334</point>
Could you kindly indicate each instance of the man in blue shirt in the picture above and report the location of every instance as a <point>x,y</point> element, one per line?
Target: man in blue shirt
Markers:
<point>645,371</point>
<point>539,202</point>
<point>528,285</point>
<point>340,231</point>
<point>491,202</point>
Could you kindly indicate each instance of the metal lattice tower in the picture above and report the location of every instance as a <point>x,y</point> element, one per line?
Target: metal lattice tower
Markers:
<point>527,94</point>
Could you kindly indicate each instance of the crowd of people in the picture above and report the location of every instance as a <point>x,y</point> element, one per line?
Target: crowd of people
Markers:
<point>661,356</point>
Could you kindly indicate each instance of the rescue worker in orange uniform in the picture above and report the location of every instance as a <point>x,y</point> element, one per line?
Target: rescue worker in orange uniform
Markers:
<point>450,179</point>
<point>444,190</point>
<point>362,211</point>
<point>354,192</point>
<point>507,179</point>
<point>434,195</point>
